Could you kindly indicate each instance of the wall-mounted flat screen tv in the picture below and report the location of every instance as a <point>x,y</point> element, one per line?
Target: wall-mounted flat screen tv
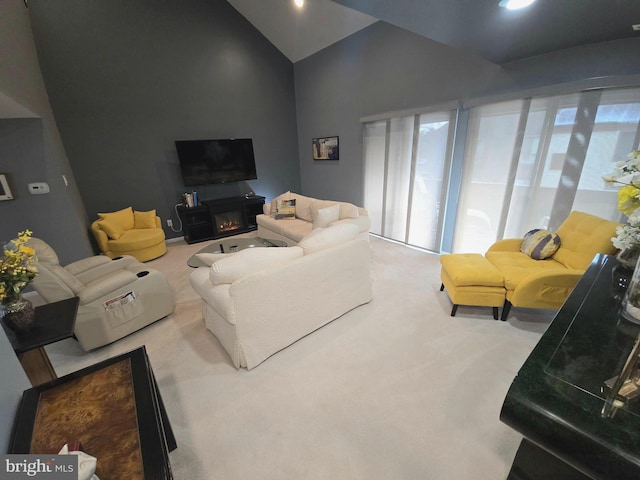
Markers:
<point>205,162</point>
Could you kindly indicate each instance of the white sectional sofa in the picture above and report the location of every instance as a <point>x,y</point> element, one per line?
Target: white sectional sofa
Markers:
<point>261,300</point>
<point>310,213</point>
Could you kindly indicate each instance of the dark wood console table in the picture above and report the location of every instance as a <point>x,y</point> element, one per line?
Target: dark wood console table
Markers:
<point>220,218</point>
<point>556,400</point>
<point>113,408</point>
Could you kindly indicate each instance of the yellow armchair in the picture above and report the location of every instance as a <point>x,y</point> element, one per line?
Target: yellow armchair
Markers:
<point>129,232</point>
<point>547,283</point>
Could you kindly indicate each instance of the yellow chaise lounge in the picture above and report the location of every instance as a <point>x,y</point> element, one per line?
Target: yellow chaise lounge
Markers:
<point>527,282</point>
<point>128,232</point>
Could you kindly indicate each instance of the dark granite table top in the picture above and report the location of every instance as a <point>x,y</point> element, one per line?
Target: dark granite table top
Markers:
<point>556,400</point>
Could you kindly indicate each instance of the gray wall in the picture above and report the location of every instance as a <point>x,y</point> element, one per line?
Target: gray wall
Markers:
<point>14,382</point>
<point>58,217</point>
<point>609,59</point>
<point>379,69</point>
<point>127,79</point>
<point>383,69</point>
<point>22,146</point>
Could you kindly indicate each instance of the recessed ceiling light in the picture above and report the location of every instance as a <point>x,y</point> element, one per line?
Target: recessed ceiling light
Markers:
<point>515,4</point>
<point>299,3</point>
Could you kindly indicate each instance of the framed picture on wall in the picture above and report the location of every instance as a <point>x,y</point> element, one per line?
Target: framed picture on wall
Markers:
<point>5,191</point>
<point>325,148</point>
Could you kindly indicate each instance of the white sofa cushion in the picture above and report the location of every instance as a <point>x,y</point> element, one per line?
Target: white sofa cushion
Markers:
<point>363,222</point>
<point>322,238</point>
<point>248,261</point>
<point>219,299</point>
<point>348,210</point>
<point>303,207</point>
<point>295,229</point>
<point>323,217</point>
<point>211,258</point>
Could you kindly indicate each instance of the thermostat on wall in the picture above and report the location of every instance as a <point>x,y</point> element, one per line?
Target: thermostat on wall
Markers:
<point>38,188</point>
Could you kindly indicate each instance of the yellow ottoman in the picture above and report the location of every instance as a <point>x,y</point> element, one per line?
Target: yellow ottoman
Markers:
<point>470,279</point>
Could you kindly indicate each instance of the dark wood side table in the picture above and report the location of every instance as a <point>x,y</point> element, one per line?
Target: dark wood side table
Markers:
<point>557,398</point>
<point>113,409</point>
<point>53,322</point>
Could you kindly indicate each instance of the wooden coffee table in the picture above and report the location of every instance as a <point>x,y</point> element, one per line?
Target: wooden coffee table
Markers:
<point>113,409</point>
<point>231,245</point>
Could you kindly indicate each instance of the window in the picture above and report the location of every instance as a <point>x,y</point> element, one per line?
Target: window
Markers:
<point>429,180</point>
<point>524,164</point>
<point>406,168</point>
<point>488,156</point>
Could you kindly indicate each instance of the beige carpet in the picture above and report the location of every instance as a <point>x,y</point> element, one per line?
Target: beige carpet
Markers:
<point>396,389</point>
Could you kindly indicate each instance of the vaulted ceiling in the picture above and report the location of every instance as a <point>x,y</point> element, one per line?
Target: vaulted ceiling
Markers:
<point>480,27</point>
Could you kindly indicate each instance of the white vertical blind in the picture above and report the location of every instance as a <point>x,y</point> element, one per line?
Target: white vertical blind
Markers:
<point>428,181</point>
<point>406,165</point>
<point>490,141</point>
<point>525,164</point>
<point>374,172</point>
<point>398,176</point>
<point>614,135</point>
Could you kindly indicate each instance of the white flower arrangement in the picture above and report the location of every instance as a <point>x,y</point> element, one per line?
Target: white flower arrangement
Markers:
<point>627,173</point>
<point>627,236</point>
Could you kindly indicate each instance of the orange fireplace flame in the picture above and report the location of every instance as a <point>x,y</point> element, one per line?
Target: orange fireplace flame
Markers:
<point>228,226</point>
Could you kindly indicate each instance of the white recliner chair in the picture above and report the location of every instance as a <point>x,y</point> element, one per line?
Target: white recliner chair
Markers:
<point>117,297</point>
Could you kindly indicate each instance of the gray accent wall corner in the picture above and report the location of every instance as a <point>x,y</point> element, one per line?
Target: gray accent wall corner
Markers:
<point>31,149</point>
<point>127,79</point>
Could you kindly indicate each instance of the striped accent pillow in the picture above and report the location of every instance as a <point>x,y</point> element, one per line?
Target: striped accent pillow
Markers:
<point>540,244</point>
<point>286,209</point>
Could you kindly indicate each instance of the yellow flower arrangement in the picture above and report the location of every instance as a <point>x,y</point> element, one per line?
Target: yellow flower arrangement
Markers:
<point>16,269</point>
<point>627,173</point>
<point>628,199</point>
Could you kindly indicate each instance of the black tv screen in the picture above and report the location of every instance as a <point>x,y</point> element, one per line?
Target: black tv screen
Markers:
<point>205,162</point>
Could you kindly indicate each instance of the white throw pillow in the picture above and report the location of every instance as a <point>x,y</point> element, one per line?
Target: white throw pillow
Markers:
<point>322,238</point>
<point>250,260</point>
<point>323,217</point>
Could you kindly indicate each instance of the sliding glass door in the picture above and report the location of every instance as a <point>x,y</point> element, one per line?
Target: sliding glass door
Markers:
<point>406,168</point>
<point>488,156</point>
<point>525,164</point>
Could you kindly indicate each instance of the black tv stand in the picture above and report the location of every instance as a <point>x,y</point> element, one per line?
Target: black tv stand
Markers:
<point>218,218</point>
